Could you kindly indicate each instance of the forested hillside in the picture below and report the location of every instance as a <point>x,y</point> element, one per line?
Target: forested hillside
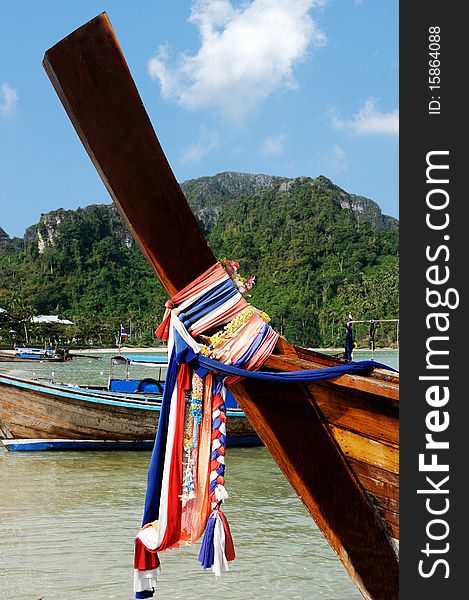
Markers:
<point>316,251</point>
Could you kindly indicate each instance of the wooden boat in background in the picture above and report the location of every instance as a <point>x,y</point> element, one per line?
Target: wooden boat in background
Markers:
<point>337,440</point>
<point>36,355</point>
<point>38,415</point>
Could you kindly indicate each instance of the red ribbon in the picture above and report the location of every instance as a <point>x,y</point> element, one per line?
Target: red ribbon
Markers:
<point>144,558</point>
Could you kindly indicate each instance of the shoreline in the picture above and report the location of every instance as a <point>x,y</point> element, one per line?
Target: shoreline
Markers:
<point>164,349</point>
<point>89,351</point>
<point>123,350</point>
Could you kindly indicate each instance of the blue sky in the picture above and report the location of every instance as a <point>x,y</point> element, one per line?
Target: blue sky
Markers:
<point>297,87</point>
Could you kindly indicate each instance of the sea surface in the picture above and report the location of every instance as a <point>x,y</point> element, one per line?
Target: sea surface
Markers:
<point>67,522</point>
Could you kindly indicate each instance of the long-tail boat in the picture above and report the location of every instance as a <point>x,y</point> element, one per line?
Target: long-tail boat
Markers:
<point>335,440</point>
<point>44,415</point>
<point>36,355</point>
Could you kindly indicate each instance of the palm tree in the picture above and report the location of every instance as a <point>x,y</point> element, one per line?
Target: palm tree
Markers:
<point>20,313</point>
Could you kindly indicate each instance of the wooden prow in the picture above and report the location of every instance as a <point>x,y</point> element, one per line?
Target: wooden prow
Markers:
<point>91,77</point>
<point>93,81</point>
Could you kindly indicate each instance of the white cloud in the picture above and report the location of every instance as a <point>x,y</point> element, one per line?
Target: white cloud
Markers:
<point>247,52</point>
<point>194,153</point>
<point>369,120</point>
<point>333,161</point>
<point>8,99</point>
<point>273,145</point>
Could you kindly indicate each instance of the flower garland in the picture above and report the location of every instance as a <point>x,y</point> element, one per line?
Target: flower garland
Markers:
<point>217,339</point>
<point>244,285</point>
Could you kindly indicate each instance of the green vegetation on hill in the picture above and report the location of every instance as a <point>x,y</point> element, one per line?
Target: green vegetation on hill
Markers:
<point>313,260</point>
<point>317,252</point>
<point>82,265</point>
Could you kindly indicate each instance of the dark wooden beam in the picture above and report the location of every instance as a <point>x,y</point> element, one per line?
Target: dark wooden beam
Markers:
<point>93,81</point>
<point>293,430</point>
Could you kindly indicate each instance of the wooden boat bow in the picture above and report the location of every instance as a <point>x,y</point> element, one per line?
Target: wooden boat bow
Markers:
<point>304,426</point>
<point>93,81</point>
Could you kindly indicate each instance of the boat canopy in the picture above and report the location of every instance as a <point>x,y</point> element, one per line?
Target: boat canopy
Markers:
<point>132,359</point>
<point>30,350</point>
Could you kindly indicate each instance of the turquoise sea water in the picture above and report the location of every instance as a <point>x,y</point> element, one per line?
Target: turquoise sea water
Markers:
<point>67,522</point>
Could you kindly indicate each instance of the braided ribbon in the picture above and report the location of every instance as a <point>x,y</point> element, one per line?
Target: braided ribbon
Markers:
<point>217,460</point>
<point>217,547</point>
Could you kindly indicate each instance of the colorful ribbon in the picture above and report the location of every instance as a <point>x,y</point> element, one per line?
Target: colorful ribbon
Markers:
<point>180,503</point>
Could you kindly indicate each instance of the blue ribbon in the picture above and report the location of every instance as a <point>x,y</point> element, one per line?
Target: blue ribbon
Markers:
<point>155,471</point>
<point>202,365</point>
<point>253,347</point>
<point>208,302</point>
<point>207,552</point>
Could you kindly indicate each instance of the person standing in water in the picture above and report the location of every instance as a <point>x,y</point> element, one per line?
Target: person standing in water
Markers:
<point>349,338</point>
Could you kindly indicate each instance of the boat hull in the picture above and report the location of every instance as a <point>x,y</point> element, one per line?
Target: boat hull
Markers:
<point>61,417</point>
<point>40,445</point>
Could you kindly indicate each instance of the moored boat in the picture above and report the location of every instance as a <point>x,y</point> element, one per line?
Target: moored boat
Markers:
<point>39,415</point>
<point>36,355</point>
